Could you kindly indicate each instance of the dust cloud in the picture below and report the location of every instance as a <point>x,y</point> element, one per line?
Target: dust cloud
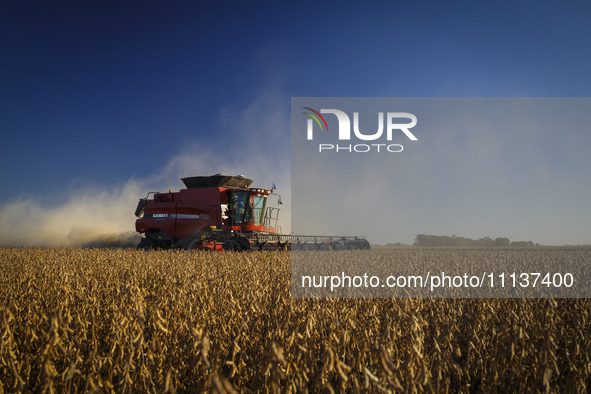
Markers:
<point>103,215</point>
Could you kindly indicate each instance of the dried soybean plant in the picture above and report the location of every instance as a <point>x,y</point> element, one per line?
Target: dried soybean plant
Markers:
<point>118,320</point>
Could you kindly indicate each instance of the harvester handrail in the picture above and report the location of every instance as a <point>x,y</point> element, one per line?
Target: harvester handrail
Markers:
<point>148,195</point>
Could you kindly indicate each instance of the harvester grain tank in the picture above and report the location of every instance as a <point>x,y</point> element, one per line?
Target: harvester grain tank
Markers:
<point>222,212</point>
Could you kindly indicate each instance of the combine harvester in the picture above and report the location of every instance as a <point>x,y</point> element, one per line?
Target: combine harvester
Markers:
<point>221,212</point>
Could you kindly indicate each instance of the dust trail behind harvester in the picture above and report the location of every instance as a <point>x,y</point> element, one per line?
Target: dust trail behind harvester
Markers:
<point>88,217</point>
<point>103,215</point>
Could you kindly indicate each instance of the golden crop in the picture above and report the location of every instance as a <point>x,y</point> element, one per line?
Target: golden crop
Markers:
<point>120,320</point>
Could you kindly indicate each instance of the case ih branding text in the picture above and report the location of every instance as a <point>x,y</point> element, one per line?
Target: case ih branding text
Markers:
<point>396,122</point>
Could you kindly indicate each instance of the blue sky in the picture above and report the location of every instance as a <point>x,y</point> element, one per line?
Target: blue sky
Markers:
<point>101,97</point>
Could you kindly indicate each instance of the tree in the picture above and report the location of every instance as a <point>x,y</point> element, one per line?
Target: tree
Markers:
<point>502,242</point>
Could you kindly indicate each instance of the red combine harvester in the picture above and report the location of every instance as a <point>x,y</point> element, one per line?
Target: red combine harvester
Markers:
<point>221,212</point>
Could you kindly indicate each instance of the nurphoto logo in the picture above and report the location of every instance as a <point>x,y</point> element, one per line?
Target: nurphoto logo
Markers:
<point>393,126</point>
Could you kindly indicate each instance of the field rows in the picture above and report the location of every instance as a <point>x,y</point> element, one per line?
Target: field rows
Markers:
<point>124,320</point>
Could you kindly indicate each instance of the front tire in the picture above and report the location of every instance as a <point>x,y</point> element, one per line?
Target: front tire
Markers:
<point>146,245</point>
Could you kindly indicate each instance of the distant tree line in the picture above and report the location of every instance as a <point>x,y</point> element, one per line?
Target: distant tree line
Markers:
<point>445,240</point>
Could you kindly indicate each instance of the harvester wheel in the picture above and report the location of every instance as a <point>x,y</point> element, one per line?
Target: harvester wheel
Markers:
<point>236,244</point>
<point>146,244</point>
<point>191,243</point>
<point>244,243</point>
